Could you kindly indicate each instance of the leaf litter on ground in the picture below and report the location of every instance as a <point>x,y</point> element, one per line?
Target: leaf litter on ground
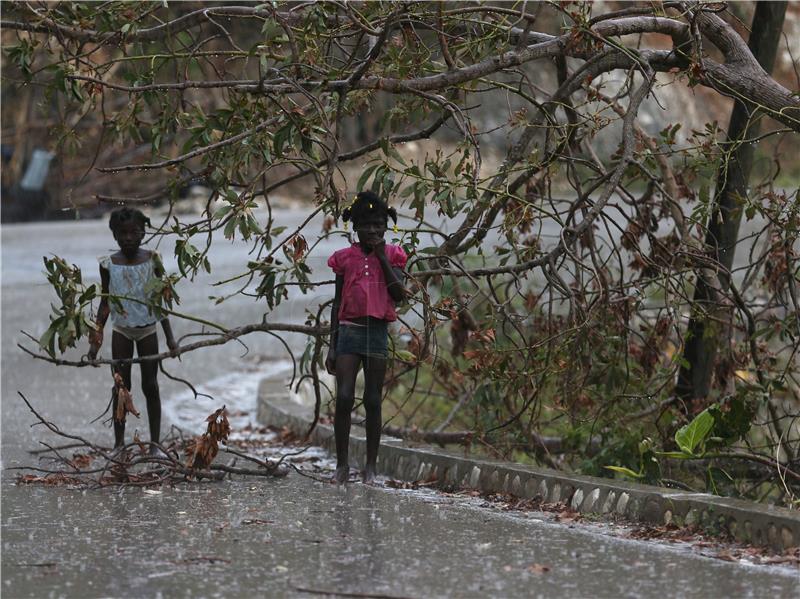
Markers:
<point>94,466</point>
<point>717,547</point>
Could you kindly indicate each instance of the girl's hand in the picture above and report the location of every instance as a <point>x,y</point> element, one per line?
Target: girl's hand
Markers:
<point>95,341</point>
<point>172,345</point>
<point>330,362</point>
<point>93,349</point>
<point>379,248</point>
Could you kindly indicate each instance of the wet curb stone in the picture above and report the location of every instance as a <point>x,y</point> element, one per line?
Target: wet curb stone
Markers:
<point>778,528</point>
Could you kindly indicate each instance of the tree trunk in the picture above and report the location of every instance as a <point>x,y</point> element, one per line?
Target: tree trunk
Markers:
<point>706,329</point>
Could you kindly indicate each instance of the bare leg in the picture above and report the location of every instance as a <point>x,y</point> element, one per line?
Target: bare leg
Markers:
<point>147,347</point>
<point>374,373</point>
<point>121,348</point>
<point>346,371</point>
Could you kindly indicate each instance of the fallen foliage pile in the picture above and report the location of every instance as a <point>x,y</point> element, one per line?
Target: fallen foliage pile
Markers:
<point>137,464</point>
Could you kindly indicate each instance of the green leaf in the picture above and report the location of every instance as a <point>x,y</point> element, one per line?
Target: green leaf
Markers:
<point>625,471</point>
<point>389,150</point>
<point>405,356</point>
<point>219,214</point>
<point>362,180</point>
<point>244,227</point>
<point>89,294</point>
<point>692,435</point>
<point>230,228</point>
<point>703,194</point>
<point>677,455</point>
<point>407,191</point>
<point>280,139</point>
<point>46,340</point>
<point>733,418</point>
<point>253,224</point>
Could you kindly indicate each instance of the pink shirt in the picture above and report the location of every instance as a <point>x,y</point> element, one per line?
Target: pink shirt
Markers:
<point>365,292</point>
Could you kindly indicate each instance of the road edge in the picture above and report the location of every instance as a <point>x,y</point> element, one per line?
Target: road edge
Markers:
<point>747,522</point>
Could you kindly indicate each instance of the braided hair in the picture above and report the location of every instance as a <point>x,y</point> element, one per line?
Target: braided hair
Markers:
<point>121,216</point>
<point>367,204</point>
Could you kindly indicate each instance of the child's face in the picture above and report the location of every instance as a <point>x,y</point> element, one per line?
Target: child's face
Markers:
<point>370,230</point>
<point>129,236</point>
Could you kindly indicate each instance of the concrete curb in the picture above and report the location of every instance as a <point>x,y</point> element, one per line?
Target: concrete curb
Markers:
<point>778,528</point>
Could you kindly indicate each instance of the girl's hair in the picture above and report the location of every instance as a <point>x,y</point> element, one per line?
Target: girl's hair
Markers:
<point>120,216</point>
<point>367,204</point>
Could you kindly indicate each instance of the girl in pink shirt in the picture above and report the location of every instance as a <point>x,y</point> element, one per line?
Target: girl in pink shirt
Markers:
<point>369,282</point>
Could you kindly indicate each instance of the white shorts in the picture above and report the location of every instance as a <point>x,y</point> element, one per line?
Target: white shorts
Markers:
<point>135,333</point>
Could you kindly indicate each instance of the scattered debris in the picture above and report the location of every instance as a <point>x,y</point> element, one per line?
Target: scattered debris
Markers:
<point>94,466</point>
<point>203,559</point>
<point>331,593</point>
<point>51,478</point>
<point>401,484</point>
<point>723,548</point>
<point>538,569</point>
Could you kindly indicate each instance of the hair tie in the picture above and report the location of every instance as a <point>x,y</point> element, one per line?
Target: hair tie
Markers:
<point>395,229</point>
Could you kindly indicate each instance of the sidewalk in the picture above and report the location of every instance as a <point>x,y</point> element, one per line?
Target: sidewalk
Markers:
<point>748,522</point>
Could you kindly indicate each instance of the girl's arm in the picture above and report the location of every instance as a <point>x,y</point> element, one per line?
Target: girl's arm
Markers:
<point>171,343</point>
<point>96,335</point>
<point>394,276</point>
<point>330,361</point>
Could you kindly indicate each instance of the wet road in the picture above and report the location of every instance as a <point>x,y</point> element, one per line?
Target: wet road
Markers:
<point>275,537</point>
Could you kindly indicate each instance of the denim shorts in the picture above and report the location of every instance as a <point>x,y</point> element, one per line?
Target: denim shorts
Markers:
<point>368,340</point>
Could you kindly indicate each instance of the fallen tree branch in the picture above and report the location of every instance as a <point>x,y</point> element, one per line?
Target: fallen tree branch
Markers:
<point>440,438</point>
<point>223,338</point>
<point>134,465</point>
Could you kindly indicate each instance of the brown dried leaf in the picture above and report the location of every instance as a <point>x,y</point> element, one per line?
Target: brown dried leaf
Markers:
<point>124,400</point>
<point>81,460</point>
<point>538,568</point>
<point>140,443</point>
<point>55,479</point>
<point>287,435</point>
<point>202,450</point>
<point>299,246</point>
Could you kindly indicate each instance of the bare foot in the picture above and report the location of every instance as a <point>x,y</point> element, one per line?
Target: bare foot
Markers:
<point>368,476</point>
<point>341,476</point>
<point>156,452</point>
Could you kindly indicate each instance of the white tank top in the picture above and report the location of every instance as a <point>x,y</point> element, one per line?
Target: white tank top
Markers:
<point>129,280</point>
